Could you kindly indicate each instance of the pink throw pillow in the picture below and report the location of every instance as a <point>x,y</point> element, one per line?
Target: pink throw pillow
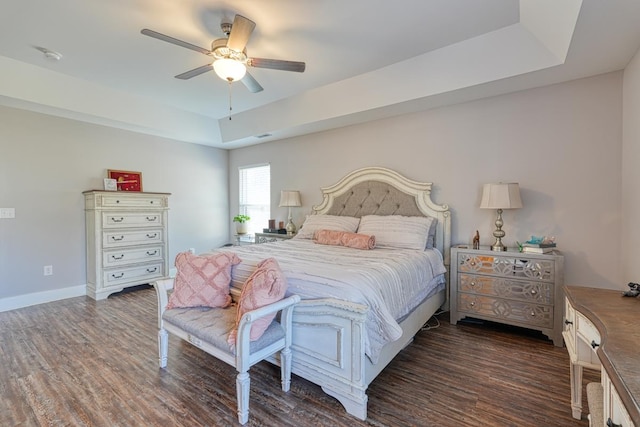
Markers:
<point>343,238</point>
<point>265,286</point>
<point>202,281</point>
<point>328,237</point>
<point>358,241</point>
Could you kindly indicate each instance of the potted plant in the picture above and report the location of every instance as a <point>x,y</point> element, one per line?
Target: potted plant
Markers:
<point>241,223</point>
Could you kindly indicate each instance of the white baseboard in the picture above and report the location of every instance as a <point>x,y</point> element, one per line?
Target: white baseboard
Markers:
<point>20,301</point>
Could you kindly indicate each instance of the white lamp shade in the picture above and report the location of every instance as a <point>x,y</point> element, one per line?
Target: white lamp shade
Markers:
<point>229,69</point>
<point>501,196</point>
<point>290,198</point>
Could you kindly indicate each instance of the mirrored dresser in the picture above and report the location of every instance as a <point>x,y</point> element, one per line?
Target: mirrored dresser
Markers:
<point>520,289</point>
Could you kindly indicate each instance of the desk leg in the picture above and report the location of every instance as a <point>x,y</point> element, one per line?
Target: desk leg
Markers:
<point>576,390</point>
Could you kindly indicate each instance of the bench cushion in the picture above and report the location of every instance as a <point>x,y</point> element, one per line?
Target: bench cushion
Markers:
<point>212,325</point>
<point>595,400</point>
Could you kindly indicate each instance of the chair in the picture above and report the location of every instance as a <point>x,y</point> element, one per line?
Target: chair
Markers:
<point>208,328</point>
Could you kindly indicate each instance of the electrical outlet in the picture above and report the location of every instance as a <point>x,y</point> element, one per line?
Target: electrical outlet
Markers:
<point>48,270</point>
<point>7,213</point>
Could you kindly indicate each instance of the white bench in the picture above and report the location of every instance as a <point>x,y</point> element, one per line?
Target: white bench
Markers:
<point>208,328</point>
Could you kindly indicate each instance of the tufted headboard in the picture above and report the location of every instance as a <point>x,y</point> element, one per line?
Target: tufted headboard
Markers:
<point>381,191</point>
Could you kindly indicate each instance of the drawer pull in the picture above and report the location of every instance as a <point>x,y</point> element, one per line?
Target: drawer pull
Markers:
<point>151,202</point>
<point>152,218</point>
<point>117,257</point>
<point>472,303</point>
<point>472,284</point>
<point>533,314</point>
<point>117,220</point>
<point>117,201</point>
<point>152,253</point>
<point>533,292</point>
<point>568,322</point>
<point>610,423</point>
<point>152,270</point>
<point>152,236</point>
<point>594,344</point>
<point>117,239</point>
<point>118,276</point>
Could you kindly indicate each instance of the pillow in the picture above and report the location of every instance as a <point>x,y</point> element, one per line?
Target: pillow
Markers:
<point>266,285</point>
<point>431,236</point>
<point>396,231</point>
<point>202,281</point>
<point>314,223</point>
<point>343,238</point>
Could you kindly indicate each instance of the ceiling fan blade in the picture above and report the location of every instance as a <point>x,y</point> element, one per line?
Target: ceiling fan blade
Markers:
<point>169,39</point>
<point>240,32</point>
<point>276,64</point>
<point>251,83</point>
<point>195,72</point>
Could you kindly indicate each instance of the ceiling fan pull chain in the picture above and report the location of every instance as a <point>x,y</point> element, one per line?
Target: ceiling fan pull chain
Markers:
<point>230,109</point>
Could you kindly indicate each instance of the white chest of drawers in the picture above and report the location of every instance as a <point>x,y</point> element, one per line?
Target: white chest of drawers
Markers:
<point>508,287</point>
<point>127,240</point>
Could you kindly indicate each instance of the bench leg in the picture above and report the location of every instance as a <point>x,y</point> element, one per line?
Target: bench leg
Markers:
<point>163,347</point>
<point>242,390</point>
<point>285,368</point>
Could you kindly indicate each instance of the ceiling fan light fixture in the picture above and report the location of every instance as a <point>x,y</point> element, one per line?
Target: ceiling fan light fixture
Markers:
<point>228,55</point>
<point>229,69</point>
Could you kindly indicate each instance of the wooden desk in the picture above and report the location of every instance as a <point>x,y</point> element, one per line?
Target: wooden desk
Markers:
<point>617,320</point>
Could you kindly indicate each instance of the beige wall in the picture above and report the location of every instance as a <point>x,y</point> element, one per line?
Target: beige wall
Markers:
<point>562,143</point>
<point>47,162</point>
<point>631,172</point>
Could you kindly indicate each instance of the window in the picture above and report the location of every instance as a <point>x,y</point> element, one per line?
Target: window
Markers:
<point>255,196</point>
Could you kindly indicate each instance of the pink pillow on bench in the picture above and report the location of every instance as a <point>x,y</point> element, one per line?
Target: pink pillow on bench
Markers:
<point>202,281</point>
<point>344,238</point>
<point>265,286</point>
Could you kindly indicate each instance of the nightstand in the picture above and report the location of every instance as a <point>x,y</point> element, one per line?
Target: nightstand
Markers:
<point>244,239</point>
<point>510,287</point>
<point>271,237</point>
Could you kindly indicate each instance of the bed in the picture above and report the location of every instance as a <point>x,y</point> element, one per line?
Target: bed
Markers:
<point>342,335</point>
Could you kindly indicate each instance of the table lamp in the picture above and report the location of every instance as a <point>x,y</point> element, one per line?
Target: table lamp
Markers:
<point>290,199</point>
<point>500,196</point>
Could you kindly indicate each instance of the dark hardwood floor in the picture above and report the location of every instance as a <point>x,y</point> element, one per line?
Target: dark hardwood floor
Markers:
<point>79,362</point>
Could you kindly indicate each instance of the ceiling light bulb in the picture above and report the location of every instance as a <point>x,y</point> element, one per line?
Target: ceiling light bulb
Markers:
<point>229,69</point>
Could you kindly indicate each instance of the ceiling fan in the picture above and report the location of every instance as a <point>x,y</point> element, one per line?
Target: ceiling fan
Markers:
<point>230,60</point>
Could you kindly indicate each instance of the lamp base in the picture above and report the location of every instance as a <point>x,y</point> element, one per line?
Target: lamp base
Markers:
<point>291,228</point>
<point>498,234</point>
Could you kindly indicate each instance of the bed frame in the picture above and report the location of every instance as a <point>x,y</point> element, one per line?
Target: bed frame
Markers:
<point>328,334</point>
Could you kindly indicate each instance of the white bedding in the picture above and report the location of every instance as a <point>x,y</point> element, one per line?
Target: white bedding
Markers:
<point>391,282</point>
